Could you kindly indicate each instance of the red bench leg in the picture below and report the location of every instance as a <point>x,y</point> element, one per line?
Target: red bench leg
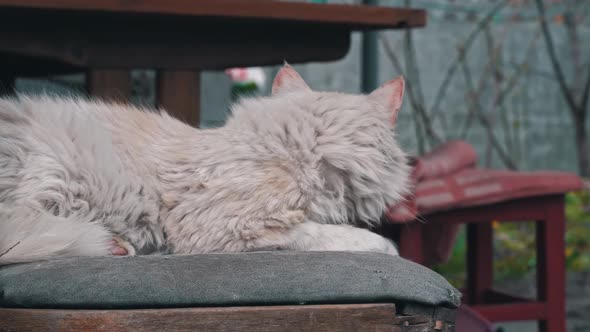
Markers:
<point>551,266</point>
<point>410,242</point>
<point>480,272</point>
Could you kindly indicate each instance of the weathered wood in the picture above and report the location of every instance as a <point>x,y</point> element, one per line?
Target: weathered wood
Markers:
<point>179,92</point>
<point>163,43</point>
<point>109,84</point>
<point>358,317</point>
<point>435,313</point>
<point>357,17</point>
<point>182,34</point>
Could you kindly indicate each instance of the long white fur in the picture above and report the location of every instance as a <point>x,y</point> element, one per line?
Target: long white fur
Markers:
<point>30,234</point>
<point>289,171</point>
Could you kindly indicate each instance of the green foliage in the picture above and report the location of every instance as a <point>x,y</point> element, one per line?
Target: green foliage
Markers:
<point>577,238</point>
<point>454,269</point>
<point>514,244</point>
<point>240,90</point>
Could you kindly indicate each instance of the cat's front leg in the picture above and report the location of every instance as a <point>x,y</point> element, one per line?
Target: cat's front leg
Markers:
<point>311,236</point>
<point>120,247</point>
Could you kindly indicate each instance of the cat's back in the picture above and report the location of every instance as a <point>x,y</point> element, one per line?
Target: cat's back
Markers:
<point>59,155</point>
<point>58,145</point>
<point>75,125</point>
<point>71,115</point>
<point>64,130</point>
<point>44,109</point>
<point>50,122</point>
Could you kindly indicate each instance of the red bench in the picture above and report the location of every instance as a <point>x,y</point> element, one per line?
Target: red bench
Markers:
<point>450,191</point>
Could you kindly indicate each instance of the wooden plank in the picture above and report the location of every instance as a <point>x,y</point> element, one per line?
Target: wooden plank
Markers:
<point>109,84</point>
<point>181,43</point>
<point>550,237</point>
<point>31,66</point>
<point>353,317</point>
<point>355,16</point>
<point>177,34</point>
<point>480,267</point>
<point>179,92</point>
<point>442,318</point>
<point>515,210</point>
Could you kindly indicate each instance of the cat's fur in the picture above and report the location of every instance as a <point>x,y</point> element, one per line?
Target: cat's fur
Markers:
<point>290,171</point>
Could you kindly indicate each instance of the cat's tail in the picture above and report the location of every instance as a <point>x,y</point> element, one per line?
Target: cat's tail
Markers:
<point>29,235</point>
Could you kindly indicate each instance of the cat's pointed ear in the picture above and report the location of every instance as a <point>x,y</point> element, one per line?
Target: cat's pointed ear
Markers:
<point>288,80</point>
<point>390,94</point>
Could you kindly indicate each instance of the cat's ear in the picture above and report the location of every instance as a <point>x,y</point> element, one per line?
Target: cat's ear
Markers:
<point>391,94</point>
<point>288,80</point>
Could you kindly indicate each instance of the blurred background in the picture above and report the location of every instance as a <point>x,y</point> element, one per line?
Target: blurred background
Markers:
<point>480,70</point>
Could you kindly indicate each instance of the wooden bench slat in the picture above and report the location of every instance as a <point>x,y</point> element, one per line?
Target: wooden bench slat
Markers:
<point>355,16</point>
<point>350,317</point>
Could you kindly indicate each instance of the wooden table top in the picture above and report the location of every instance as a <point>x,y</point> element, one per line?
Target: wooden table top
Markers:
<point>355,17</point>
<point>45,36</point>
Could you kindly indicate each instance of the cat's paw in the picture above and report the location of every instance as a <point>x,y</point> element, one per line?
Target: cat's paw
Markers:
<point>369,241</point>
<point>390,248</point>
<point>120,247</point>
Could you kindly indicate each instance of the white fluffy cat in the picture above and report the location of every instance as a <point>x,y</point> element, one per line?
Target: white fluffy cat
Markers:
<point>291,171</point>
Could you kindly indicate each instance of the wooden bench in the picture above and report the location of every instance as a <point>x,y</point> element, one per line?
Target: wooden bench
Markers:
<point>259,291</point>
<point>455,193</point>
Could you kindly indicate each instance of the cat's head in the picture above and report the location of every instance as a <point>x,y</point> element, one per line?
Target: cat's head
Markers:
<point>348,138</point>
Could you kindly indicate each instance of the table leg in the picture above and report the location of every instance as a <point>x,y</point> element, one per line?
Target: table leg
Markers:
<point>410,242</point>
<point>179,93</point>
<point>480,272</point>
<point>109,84</point>
<point>551,266</point>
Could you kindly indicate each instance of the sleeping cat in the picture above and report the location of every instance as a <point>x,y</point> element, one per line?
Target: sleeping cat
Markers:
<point>293,171</point>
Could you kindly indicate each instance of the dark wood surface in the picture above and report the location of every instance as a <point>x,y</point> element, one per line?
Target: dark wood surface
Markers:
<point>179,93</point>
<point>174,36</point>
<point>67,35</point>
<point>352,16</point>
<point>109,84</point>
<point>351,317</point>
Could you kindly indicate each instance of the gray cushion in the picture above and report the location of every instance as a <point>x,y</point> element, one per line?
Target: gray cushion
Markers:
<point>256,278</point>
